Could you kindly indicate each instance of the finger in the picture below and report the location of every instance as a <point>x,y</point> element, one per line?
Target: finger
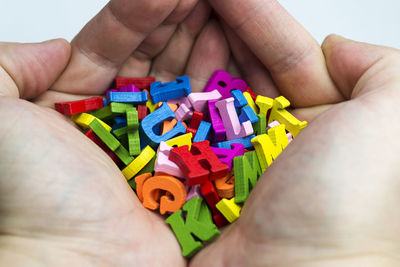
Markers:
<point>27,70</point>
<point>139,63</point>
<point>172,61</point>
<point>253,71</point>
<point>210,52</point>
<point>292,56</point>
<point>311,113</point>
<point>348,61</point>
<point>108,40</point>
<point>232,68</point>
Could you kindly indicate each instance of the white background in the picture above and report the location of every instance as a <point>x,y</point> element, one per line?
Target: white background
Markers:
<point>364,20</point>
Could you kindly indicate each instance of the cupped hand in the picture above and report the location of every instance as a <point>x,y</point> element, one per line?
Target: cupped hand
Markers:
<point>330,199</point>
<point>62,200</point>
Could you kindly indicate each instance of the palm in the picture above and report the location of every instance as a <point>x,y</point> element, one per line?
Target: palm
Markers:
<point>318,203</point>
<point>81,197</point>
<point>66,190</point>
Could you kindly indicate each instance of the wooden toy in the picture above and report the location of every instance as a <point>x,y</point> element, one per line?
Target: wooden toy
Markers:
<point>216,121</point>
<point>240,100</point>
<point>85,119</point>
<point>142,112</point>
<point>120,132</point>
<point>138,163</point>
<point>159,115</point>
<point>229,209</point>
<point>149,167</point>
<point>225,186</point>
<point>199,100</point>
<point>129,88</point>
<point>250,102</point>
<point>280,114</point>
<point>103,113</point>
<point>119,108</point>
<point>247,114</point>
<point>196,119</point>
<point>163,163</point>
<point>219,220</point>
<point>181,101</point>
<point>264,103</point>
<point>168,125</point>
<point>199,164</point>
<point>119,122</point>
<point>161,92</point>
<point>185,168</point>
<point>192,131</point>
<point>133,131</point>
<point>79,106</point>
<point>224,83</point>
<point>198,223</point>
<point>150,104</point>
<point>140,180</point>
<point>247,169</point>
<point>202,132</point>
<point>141,83</point>
<point>290,137</point>
<point>108,93</point>
<point>212,198</point>
<point>182,140</point>
<point>183,113</point>
<point>168,184</point>
<point>226,156</point>
<point>260,127</point>
<point>234,129</point>
<point>210,194</point>
<point>268,147</point>
<point>127,97</point>
<point>194,191</point>
<point>245,141</point>
<point>252,94</point>
<point>272,124</point>
<point>110,141</point>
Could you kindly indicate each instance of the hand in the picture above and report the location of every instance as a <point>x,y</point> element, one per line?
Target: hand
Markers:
<point>330,199</point>
<point>62,200</point>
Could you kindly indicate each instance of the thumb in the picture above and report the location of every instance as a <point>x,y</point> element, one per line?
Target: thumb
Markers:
<point>352,65</point>
<point>27,70</point>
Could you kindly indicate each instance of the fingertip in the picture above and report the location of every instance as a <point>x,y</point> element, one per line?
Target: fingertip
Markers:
<point>348,60</point>
<point>33,67</point>
<point>211,52</point>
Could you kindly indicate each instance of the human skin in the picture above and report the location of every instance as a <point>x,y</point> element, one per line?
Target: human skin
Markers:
<point>328,200</point>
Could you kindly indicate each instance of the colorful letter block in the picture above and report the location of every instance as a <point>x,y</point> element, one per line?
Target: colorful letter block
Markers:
<point>169,184</point>
<point>79,106</point>
<point>199,100</point>
<point>165,91</point>
<point>268,147</point>
<point>127,97</point>
<point>229,209</point>
<point>198,223</point>
<point>234,129</point>
<point>141,83</point>
<point>138,163</point>
<point>227,155</point>
<point>159,115</point>
<point>199,164</point>
<point>164,164</point>
<point>224,84</point>
<point>247,168</point>
<point>280,114</point>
